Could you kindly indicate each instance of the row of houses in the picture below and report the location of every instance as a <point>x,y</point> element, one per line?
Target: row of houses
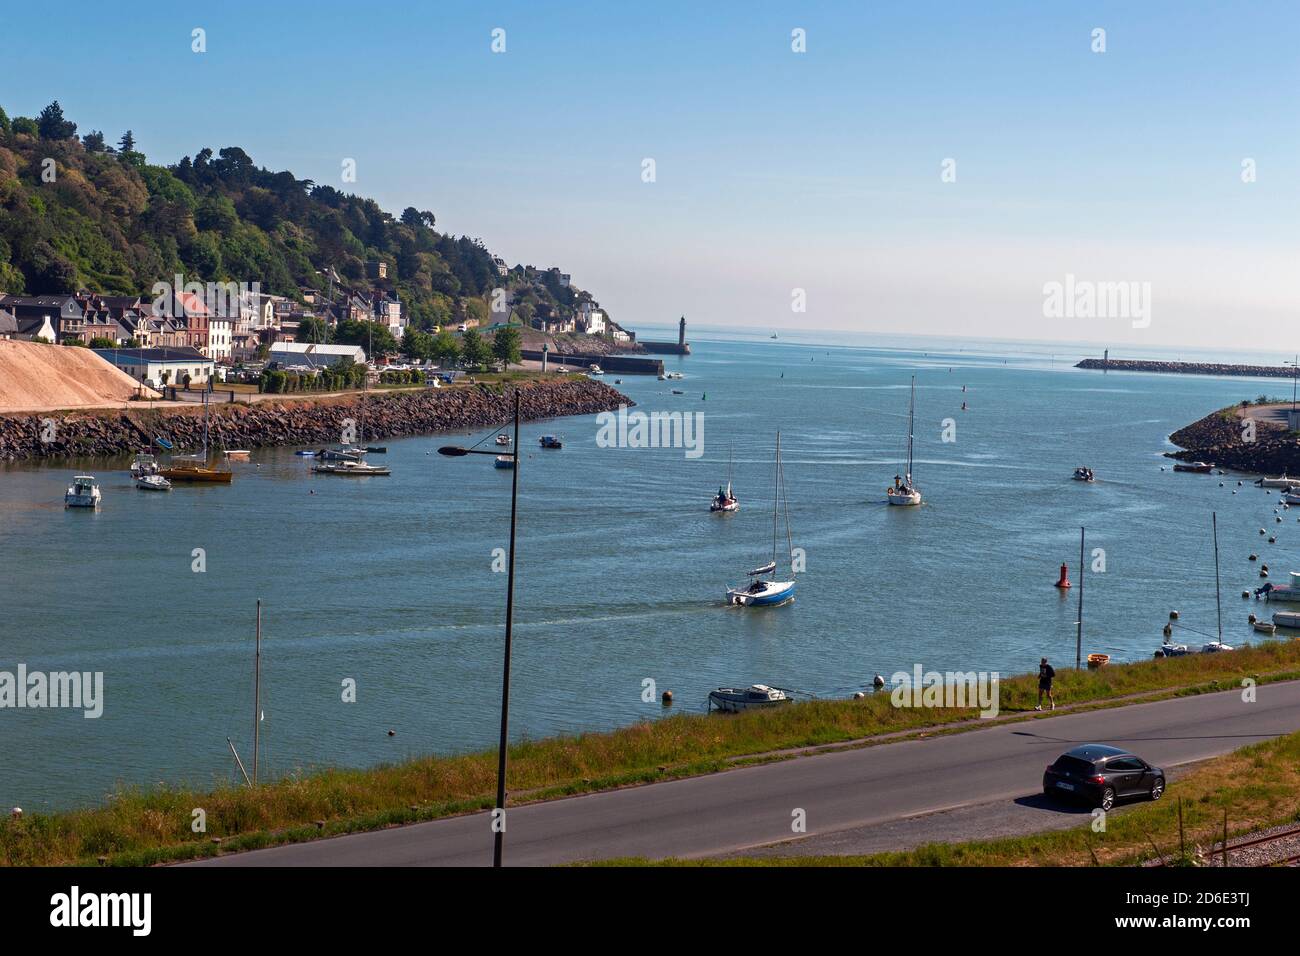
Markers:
<point>225,330</point>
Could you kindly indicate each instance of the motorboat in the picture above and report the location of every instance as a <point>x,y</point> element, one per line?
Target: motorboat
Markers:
<point>503,440</point>
<point>152,483</point>
<point>1289,619</point>
<point>504,461</point>
<point>732,700</point>
<point>550,441</point>
<point>1264,627</point>
<point>355,469</point>
<point>1084,474</point>
<point>595,369</point>
<point>1281,592</point>
<point>1200,467</point>
<point>1291,497</point>
<point>144,464</point>
<point>675,376</point>
<point>377,449</point>
<point>1282,482</point>
<point>237,454</point>
<point>82,493</point>
<point>1170,649</point>
<point>904,491</point>
<point>1214,647</point>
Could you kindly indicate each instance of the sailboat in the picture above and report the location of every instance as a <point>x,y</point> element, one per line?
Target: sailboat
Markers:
<point>724,500</point>
<point>350,460</point>
<point>763,589</point>
<point>904,492</point>
<point>195,467</point>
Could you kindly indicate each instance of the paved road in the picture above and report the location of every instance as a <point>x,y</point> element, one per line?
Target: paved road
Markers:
<point>876,789</point>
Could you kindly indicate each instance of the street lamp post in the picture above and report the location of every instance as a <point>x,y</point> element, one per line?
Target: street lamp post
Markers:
<point>455,451</point>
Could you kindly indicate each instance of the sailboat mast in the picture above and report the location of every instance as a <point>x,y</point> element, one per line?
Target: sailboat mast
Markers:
<point>1078,639</point>
<point>1218,599</point>
<point>776,486</point>
<point>257,690</point>
<point>205,423</point>
<point>911,418</point>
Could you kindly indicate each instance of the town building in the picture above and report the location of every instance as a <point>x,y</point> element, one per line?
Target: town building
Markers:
<point>161,366</point>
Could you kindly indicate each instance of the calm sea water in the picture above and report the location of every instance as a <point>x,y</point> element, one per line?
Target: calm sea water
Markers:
<point>621,569</point>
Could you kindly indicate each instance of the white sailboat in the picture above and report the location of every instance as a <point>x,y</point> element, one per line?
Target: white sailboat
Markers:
<point>904,492</point>
<point>764,590</point>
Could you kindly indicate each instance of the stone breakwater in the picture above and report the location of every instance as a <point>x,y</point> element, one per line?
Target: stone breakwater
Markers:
<point>301,422</point>
<point>1187,368</point>
<point>1219,438</point>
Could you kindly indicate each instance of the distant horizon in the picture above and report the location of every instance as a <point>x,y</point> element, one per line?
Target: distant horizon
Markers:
<point>934,172</point>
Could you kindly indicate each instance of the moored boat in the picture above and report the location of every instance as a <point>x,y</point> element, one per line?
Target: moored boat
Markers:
<point>1084,474</point>
<point>550,441</point>
<point>82,493</point>
<point>1264,627</point>
<point>735,699</point>
<point>1199,467</point>
<point>1282,482</point>
<point>1098,660</point>
<point>504,461</point>
<point>144,464</point>
<point>1289,619</point>
<point>195,468</point>
<point>237,454</point>
<point>503,440</point>
<point>152,483</point>
<point>355,469</point>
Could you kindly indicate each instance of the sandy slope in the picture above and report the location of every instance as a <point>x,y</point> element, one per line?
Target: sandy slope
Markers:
<point>37,377</point>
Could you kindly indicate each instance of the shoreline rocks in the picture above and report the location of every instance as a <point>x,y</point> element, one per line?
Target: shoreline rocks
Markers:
<point>1219,438</point>
<point>397,414</point>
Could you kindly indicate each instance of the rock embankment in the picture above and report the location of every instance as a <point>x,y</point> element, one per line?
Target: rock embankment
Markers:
<point>1187,368</point>
<point>1223,438</point>
<point>387,415</point>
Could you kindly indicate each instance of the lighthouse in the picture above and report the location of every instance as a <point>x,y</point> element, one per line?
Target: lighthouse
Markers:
<point>681,333</point>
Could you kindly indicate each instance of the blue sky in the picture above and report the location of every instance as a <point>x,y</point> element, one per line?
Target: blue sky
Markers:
<point>775,171</point>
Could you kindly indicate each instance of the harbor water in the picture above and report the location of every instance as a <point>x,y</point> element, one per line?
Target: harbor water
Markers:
<point>393,583</point>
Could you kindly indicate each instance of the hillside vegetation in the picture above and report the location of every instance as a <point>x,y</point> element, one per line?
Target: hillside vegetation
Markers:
<point>78,213</point>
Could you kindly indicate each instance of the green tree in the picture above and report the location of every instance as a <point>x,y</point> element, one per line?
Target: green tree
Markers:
<point>417,345</point>
<point>24,124</point>
<point>506,344</point>
<point>127,143</point>
<point>52,125</point>
<point>94,142</point>
<point>472,349</point>
<point>4,121</point>
<point>99,342</point>
<point>446,350</point>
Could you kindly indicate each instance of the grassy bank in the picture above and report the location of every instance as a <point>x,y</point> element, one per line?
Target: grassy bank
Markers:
<point>150,826</point>
<point>1258,786</point>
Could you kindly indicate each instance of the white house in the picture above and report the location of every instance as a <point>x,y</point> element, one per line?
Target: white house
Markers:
<point>158,367</point>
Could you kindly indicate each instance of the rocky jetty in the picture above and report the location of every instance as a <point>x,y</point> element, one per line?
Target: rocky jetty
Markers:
<point>1220,439</point>
<point>301,422</point>
<point>1187,368</point>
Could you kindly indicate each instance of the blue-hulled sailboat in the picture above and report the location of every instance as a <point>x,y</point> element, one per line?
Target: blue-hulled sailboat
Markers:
<point>763,589</point>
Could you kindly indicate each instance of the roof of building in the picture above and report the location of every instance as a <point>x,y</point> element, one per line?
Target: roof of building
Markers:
<point>177,354</point>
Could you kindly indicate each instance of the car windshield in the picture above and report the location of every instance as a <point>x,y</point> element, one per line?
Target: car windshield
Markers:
<point>1067,764</point>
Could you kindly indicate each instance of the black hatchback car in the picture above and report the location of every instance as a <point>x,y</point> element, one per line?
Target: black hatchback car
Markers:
<point>1102,775</point>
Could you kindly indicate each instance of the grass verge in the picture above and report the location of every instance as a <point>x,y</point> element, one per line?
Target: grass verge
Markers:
<point>147,826</point>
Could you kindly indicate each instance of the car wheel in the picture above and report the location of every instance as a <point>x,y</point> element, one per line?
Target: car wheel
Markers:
<point>1107,798</point>
<point>1158,788</point>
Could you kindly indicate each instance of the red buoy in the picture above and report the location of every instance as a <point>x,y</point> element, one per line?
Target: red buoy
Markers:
<point>1064,582</point>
